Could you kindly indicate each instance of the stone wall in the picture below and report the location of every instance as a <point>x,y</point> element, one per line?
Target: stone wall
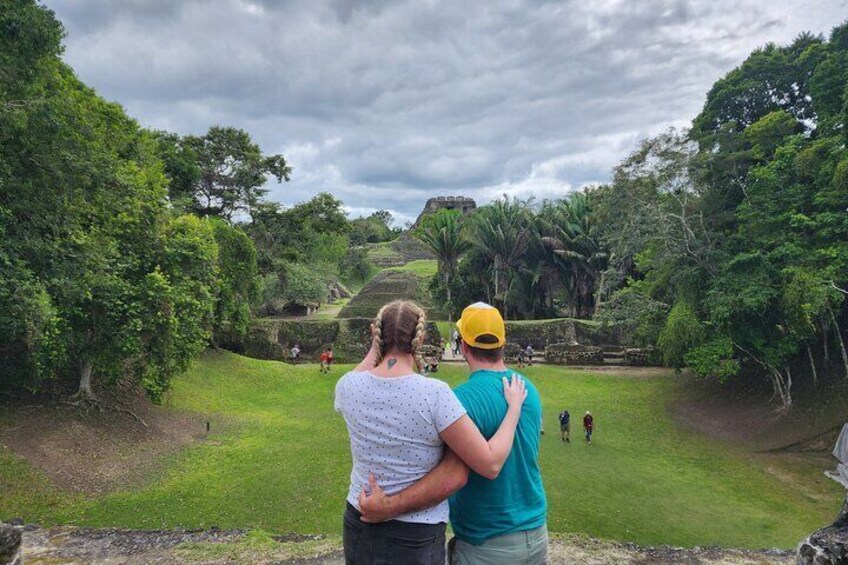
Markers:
<point>540,333</point>
<point>574,354</point>
<point>274,338</point>
<point>641,356</point>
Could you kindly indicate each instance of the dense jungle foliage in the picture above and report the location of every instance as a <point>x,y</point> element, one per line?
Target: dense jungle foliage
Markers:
<point>725,245</point>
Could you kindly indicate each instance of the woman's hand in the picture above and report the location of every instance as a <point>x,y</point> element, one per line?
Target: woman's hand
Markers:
<point>514,391</point>
<point>487,457</point>
<point>372,357</point>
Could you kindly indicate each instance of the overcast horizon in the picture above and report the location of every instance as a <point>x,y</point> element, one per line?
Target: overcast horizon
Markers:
<point>385,104</point>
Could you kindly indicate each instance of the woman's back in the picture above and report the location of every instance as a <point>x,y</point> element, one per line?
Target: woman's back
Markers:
<point>394,425</point>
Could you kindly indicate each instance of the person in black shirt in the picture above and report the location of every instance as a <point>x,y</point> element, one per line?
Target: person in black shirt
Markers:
<point>588,426</point>
<point>565,425</point>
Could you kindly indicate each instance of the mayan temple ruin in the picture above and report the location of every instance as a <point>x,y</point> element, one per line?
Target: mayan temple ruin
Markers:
<point>462,203</point>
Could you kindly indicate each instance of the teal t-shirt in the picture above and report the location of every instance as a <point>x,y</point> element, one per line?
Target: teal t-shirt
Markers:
<point>515,501</point>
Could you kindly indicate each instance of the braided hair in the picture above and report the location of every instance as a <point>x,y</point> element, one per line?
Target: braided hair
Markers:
<point>378,335</point>
<point>418,340</point>
<point>401,325</point>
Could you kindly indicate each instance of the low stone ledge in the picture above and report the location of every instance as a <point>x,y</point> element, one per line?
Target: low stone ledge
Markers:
<point>829,545</point>
<point>640,356</point>
<point>574,354</point>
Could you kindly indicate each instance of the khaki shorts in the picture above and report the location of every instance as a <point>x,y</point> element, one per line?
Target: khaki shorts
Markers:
<point>520,548</point>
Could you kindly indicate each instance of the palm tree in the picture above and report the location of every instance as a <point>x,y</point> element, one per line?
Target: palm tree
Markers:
<point>442,234</point>
<point>501,232</point>
<point>567,230</point>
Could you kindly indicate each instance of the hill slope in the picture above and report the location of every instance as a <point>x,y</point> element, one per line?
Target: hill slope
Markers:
<point>392,284</point>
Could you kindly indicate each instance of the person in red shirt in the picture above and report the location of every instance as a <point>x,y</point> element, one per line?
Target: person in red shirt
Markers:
<point>326,360</point>
<point>588,426</point>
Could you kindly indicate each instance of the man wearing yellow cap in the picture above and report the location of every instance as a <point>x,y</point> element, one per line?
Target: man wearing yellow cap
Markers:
<point>495,522</point>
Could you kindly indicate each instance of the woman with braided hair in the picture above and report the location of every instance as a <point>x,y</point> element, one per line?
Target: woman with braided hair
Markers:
<point>399,424</point>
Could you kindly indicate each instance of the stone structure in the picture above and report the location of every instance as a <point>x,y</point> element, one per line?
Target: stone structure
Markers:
<point>274,338</point>
<point>640,356</point>
<point>827,546</point>
<point>461,203</point>
<point>511,351</point>
<point>10,545</point>
<point>540,333</point>
<point>841,454</point>
<point>574,354</point>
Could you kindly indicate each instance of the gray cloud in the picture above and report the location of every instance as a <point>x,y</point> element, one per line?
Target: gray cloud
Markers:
<point>387,103</point>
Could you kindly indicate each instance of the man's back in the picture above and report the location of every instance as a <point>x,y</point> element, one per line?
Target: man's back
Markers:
<point>515,501</point>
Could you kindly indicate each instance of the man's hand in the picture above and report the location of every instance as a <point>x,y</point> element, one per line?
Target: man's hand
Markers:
<point>443,480</point>
<point>375,507</point>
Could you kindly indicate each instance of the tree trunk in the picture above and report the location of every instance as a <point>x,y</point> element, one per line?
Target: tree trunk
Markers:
<point>841,342</point>
<point>782,387</point>
<point>450,298</point>
<point>599,295</point>
<point>85,379</point>
<point>825,346</point>
<point>813,365</point>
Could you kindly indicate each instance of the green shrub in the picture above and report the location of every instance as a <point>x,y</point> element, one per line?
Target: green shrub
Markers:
<point>682,331</point>
<point>713,359</point>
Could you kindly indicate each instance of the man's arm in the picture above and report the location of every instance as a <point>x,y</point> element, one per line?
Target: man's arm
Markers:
<point>443,480</point>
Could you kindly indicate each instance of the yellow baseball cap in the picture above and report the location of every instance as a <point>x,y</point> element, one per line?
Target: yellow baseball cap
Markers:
<point>479,320</point>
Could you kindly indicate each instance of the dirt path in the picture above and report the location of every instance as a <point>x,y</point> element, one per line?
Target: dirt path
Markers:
<point>96,450</point>
<point>58,546</point>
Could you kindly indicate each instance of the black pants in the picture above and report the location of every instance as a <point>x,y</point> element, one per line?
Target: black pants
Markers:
<point>392,542</point>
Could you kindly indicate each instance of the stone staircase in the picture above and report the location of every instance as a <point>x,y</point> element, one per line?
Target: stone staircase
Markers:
<point>613,354</point>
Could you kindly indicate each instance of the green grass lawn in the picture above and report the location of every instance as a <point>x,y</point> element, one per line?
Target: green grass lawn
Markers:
<point>282,464</point>
<point>329,311</point>
<point>445,329</point>
<point>424,268</point>
<point>382,250</point>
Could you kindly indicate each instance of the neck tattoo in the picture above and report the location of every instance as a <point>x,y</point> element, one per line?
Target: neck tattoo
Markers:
<point>392,363</point>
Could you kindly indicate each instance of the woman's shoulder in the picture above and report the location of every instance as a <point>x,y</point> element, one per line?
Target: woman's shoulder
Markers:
<point>432,384</point>
<point>350,377</point>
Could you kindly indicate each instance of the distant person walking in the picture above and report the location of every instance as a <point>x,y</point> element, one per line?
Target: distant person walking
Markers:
<point>326,360</point>
<point>528,354</point>
<point>588,426</point>
<point>565,425</point>
<point>456,343</point>
<point>295,353</point>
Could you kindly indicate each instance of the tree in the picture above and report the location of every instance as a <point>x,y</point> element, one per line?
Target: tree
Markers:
<point>313,230</point>
<point>304,286</point>
<point>567,229</point>
<point>442,234</point>
<point>181,169</point>
<point>356,265</point>
<point>238,279</point>
<point>232,172</point>
<point>501,232</point>
<point>178,303</point>
<point>86,230</point>
<point>772,78</point>
<point>375,228</point>
<point>744,233</point>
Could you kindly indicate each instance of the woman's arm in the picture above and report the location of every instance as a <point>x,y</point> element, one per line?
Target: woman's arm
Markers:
<point>487,457</point>
<point>370,360</point>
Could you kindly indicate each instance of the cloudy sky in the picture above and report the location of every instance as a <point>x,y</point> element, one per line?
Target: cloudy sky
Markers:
<point>386,103</point>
